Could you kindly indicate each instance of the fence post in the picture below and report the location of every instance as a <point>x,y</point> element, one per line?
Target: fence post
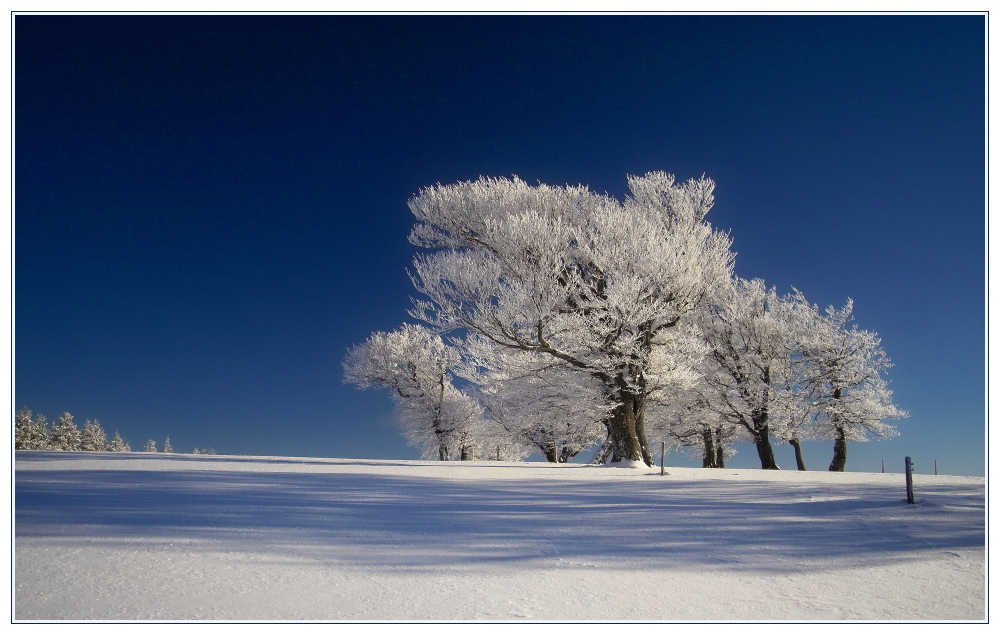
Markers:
<point>909,481</point>
<point>663,452</point>
<point>935,467</point>
<point>883,466</point>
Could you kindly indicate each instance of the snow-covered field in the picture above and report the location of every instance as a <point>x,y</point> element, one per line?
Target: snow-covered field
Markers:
<point>187,537</point>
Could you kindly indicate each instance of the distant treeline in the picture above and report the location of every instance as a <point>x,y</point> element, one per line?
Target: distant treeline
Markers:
<point>34,432</point>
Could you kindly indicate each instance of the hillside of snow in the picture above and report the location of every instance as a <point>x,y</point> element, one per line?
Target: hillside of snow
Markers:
<point>101,536</point>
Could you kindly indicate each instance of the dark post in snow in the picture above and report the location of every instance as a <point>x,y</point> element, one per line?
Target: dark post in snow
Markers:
<point>935,467</point>
<point>663,452</point>
<point>883,466</point>
<point>909,481</point>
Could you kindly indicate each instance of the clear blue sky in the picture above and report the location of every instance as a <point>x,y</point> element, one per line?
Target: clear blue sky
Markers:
<point>209,210</point>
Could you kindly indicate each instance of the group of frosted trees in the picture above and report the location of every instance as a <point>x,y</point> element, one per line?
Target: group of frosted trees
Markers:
<point>556,319</point>
<point>33,432</point>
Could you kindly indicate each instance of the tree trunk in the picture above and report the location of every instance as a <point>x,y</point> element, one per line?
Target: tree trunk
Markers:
<point>800,462</point>
<point>604,452</point>
<point>839,451</point>
<point>764,450</point>
<point>625,427</point>
<point>550,453</point>
<point>443,453</point>
<point>566,454</point>
<point>720,456</point>
<point>468,453</point>
<point>839,441</point>
<point>709,460</point>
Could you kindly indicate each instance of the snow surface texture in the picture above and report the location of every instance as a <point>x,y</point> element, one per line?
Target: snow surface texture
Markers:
<point>186,537</point>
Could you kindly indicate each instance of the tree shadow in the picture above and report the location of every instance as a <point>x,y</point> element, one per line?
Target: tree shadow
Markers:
<point>420,522</point>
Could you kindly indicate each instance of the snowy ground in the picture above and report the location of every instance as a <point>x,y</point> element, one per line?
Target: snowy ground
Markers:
<point>187,537</point>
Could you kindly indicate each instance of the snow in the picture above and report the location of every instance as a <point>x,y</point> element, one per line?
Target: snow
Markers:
<point>103,536</point>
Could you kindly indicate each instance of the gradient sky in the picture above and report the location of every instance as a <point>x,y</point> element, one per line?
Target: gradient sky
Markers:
<point>209,210</point>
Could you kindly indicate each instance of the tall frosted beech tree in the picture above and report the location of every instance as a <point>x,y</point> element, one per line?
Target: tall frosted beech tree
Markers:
<point>846,370</point>
<point>753,335</point>
<point>416,365</point>
<point>588,282</point>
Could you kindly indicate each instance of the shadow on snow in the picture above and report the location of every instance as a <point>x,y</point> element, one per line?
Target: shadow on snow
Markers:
<point>421,522</point>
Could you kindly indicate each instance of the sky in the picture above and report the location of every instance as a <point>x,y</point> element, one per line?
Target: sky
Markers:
<point>209,210</point>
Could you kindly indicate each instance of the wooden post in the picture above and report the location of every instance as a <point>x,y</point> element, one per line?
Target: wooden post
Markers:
<point>663,453</point>
<point>935,467</point>
<point>883,466</point>
<point>909,481</point>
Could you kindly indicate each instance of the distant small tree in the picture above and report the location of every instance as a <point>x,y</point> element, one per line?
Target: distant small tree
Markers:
<point>92,437</point>
<point>65,435</point>
<point>150,446</point>
<point>118,444</point>
<point>30,433</point>
<point>166,446</point>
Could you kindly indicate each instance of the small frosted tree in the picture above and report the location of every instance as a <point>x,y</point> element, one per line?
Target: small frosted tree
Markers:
<point>753,335</point>
<point>118,444</point>
<point>533,403</point>
<point>30,433</point>
<point>64,435</point>
<point>150,446</point>
<point>166,446</point>
<point>417,365</point>
<point>687,421</point>
<point>846,370</point>
<point>92,437</point>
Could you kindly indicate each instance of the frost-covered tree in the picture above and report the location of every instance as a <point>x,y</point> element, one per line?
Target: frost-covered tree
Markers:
<point>417,365</point>
<point>150,446</point>
<point>118,444</point>
<point>798,409</point>
<point>30,433</point>
<point>64,435</point>
<point>753,335</point>
<point>589,283</point>
<point>166,445</point>
<point>846,369</point>
<point>687,421</point>
<point>557,412</point>
<point>92,437</point>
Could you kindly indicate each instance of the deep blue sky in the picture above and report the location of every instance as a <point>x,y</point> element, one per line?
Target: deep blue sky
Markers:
<point>209,210</point>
